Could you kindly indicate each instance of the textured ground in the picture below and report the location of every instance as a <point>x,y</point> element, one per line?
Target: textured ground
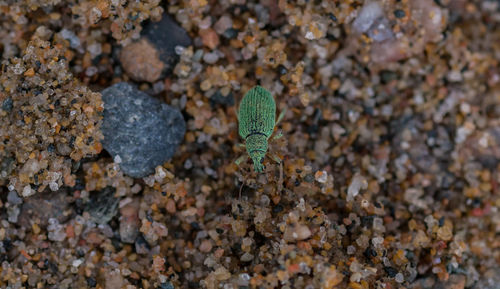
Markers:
<point>391,148</point>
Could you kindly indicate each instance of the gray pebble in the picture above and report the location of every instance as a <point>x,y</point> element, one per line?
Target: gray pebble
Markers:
<point>165,35</point>
<point>102,205</point>
<point>14,199</point>
<point>143,131</point>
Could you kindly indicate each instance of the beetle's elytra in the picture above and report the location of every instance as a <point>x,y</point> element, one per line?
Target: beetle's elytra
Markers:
<point>256,115</point>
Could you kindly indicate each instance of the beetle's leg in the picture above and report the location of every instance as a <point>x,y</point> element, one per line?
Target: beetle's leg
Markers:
<point>240,147</point>
<point>280,180</point>
<point>278,135</point>
<point>240,159</point>
<point>275,157</point>
<point>237,108</point>
<point>241,187</point>
<point>281,116</point>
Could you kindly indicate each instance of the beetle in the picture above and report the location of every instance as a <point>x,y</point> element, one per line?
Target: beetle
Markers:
<point>256,117</point>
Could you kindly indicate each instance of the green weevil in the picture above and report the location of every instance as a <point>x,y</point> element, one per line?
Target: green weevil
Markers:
<point>256,117</point>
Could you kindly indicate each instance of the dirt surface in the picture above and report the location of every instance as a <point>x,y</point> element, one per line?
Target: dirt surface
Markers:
<point>390,149</point>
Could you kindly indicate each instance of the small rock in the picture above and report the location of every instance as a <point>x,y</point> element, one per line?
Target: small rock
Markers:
<point>206,246</point>
<point>381,30</point>
<point>371,20</point>
<point>69,35</point>
<point>210,57</point>
<point>93,237</point>
<point>102,205</point>
<point>247,257</point>
<point>13,214</point>
<point>399,278</point>
<point>141,60</point>
<point>165,35</point>
<point>218,99</point>
<point>370,12</point>
<point>153,231</point>
<point>77,262</point>
<point>222,274</point>
<point>114,279</point>
<point>91,282</point>
<point>158,264</point>
<point>56,231</point>
<point>154,54</point>
<point>142,130</point>
<point>455,282</point>
<point>458,282</point>
<point>141,246</point>
<point>296,233</point>
<point>170,206</point>
<point>478,146</point>
<point>129,222</point>
<point>230,33</point>
<point>445,233</point>
<point>14,199</point>
<point>7,104</point>
<point>44,206</point>
<point>488,280</point>
<point>6,167</point>
<point>388,51</point>
<point>391,272</point>
<point>224,23</point>
<point>358,183</point>
<point>399,13</point>
<point>27,191</point>
<point>332,277</point>
<point>430,16</point>
<point>209,38</point>
<point>166,285</point>
<point>321,176</point>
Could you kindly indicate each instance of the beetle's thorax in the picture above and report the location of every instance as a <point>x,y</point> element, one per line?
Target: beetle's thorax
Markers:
<point>256,142</point>
<point>256,145</point>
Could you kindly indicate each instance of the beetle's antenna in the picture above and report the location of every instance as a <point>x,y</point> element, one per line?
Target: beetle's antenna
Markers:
<point>280,181</point>
<point>237,108</point>
<point>281,116</point>
<point>241,188</point>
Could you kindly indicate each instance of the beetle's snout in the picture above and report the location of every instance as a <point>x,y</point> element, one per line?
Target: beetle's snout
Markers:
<point>258,167</point>
<point>258,160</point>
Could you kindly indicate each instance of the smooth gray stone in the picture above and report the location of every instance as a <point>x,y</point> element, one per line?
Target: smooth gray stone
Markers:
<point>143,131</point>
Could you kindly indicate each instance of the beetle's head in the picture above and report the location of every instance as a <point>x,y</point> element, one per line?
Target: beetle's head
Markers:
<point>258,160</point>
